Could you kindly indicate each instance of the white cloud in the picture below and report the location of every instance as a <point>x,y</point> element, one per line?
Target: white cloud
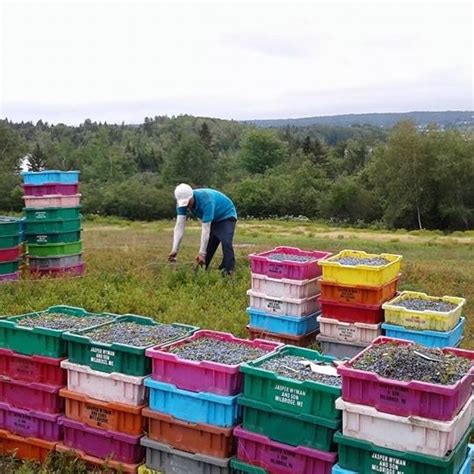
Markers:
<point>114,61</point>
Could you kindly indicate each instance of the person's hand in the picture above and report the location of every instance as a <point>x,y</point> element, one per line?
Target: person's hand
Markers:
<point>201,260</point>
<point>172,257</point>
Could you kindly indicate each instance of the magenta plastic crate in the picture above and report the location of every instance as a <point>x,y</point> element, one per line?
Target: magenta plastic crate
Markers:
<point>414,398</point>
<point>10,277</point>
<point>202,376</point>
<point>102,443</point>
<point>73,270</point>
<point>34,368</point>
<point>261,264</point>
<point>31,395</point>
<point>50,189</point>
<point>29,423</point>
<point>279,458</point>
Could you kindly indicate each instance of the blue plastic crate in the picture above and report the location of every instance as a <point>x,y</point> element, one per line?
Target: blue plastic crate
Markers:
<point>283,324</point>
<point>54,176</point>
<point>466,468</point>
<point>194,407</point>
<point>427,338</point>
<point>336,469</point>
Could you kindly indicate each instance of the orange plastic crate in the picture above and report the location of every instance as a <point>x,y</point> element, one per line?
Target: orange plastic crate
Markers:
<point>358,294</point>
<point>104,465</point>
<point>105,415</point>
<point>33,449</point>
<point>191,437</point>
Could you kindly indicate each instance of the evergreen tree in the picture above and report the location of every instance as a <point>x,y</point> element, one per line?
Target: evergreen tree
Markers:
<point>205,136</point>
<point>307,145</point>
<point>37,159</point>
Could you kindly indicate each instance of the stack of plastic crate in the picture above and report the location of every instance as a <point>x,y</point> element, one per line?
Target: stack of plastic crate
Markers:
<point>429,327</point>
<point>30,380</point>
<point>351,300</point>
<point>193,407</point>
<point>288,423</point>
<point>105,394</point>
<point>284,298</point>
<point>408,427</point>
<point>53,222</point>
<point>10,248</point>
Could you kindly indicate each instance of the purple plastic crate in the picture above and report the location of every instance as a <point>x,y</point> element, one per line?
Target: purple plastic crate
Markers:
<point>202,376</point>
<point>414,398</point>
<point>31,395</point>
<point>29,423</point>
<point>102,443</point>
<point>279,458</point>
<point>10,277</point>
<point>50,189</point>
<point>261,264</point>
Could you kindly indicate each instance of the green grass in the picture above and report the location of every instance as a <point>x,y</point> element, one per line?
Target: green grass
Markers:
<point>127,271</point>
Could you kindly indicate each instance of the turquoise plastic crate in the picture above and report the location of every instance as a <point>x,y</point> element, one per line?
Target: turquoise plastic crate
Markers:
<point>295,326</point>
<point>427,338</point>
<point>50,176</point>
<point>193,407</point>
<point>466,468</point>
<point>336,469</point>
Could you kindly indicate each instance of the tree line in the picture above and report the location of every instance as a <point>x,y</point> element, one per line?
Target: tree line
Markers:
<point>404,177</point>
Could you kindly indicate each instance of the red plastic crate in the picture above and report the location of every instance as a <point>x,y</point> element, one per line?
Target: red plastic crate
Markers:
<point>352,313</point>
<point>359,294</point>
<point>414,398</point>
<point>202,376</point>
<point>56,272</point>
<point>31,395</point>
<point>46,370</point>
<point>300,341</point>
<point>102,444</point>
<point>50,189</point>
<point>261,264</point>
<point>10,255</point>
<point>279,458</point>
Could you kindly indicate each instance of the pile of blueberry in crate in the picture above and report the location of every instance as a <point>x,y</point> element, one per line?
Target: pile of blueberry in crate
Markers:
<point>284,297</point>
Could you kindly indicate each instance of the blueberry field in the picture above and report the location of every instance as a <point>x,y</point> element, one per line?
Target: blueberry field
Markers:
<point>127,270</point>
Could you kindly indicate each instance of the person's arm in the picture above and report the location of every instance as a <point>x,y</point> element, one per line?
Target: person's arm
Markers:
<point>178,233</point>
<point>205,234</point>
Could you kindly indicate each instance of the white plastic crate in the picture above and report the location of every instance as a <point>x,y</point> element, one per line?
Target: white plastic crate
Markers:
<point>112,387</point>
<point>285,288</point>
<point>358,333</point>
<point>415,434</point>
<point>284,306</point>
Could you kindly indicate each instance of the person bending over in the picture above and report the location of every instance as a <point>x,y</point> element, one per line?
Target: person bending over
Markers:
<point>219,217</point>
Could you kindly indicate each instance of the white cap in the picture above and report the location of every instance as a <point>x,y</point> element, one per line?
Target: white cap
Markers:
<point>183,194</point>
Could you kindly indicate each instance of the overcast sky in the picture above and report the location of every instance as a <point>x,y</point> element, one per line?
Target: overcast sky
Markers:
<point>64,61</point>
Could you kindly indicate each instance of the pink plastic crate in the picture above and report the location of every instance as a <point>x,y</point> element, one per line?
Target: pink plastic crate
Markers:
<point>438,402</point>
<point>43,202</point>
<point>101,443</point>
<point>52,272</point>
<point>34,368</point>
<point>279,458</point>
<point>202,376</point>
<point>50,189</point>
<point>29,423</point>
<point>261,264</point>
<point>10,277</point>
<point>31,395</point>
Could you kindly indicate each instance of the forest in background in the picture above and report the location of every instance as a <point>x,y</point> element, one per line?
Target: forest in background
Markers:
<point>403,177</point>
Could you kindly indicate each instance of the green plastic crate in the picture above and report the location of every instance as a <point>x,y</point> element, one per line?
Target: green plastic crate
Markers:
<point>54,238</point>
<point>9,226</point>
<point>9,241</point>
<point>362,456</point>
<point>38,341</point>
<point>311,431</point>
<point>123,358</point>
<point>52,213</point>
<point>53,226</point>
<point>9,267</point>
<point>54,250</point>
<point>240,467</point>
<point>288,395</point>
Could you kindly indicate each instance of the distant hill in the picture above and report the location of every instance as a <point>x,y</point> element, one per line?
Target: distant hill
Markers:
<point>386,120</point>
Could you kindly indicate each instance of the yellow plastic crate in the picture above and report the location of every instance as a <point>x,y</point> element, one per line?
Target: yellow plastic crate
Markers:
<point>367,275</point>
<point>431,320</point>
<point>144,469</point>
